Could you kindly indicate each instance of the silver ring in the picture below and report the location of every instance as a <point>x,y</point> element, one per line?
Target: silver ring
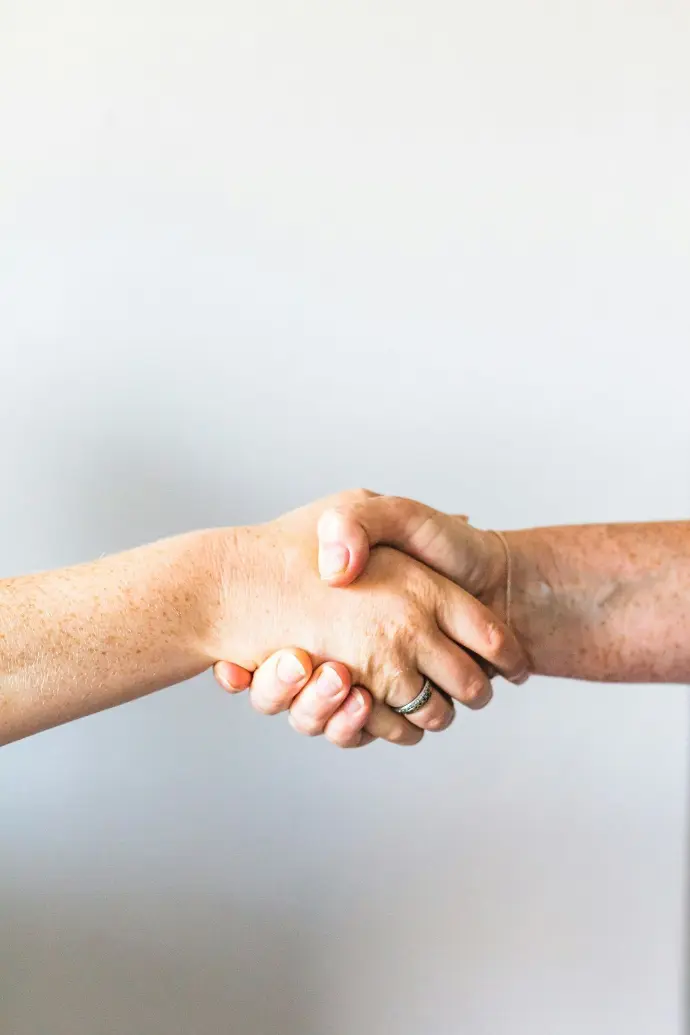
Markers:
<point>419,701</point>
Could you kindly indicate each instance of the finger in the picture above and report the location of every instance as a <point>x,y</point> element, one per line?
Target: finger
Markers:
<point>320,698</point>
<point>346,728</point>
<point>434,716</point>
<point>468,622</point>
<point>443,542</point>
<point>343,548</point>
<point>232,677</point>
<point>454,671</point>
<point>277,682</point>
<point>386,724</point>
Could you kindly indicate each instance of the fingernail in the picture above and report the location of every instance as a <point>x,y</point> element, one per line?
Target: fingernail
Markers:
<point>329,683</point>
<point>222,677</point>
<point>333,560</point>
<point>290,669</point>
<point>330,526</point>
<point>354,702</point>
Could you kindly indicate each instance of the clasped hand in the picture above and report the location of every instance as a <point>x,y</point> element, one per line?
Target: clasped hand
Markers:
<point>379,593</point>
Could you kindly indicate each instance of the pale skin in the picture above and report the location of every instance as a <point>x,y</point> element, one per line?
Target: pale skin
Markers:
<point>599,602</point>
<point>85,638</point>
<point>596,602</point>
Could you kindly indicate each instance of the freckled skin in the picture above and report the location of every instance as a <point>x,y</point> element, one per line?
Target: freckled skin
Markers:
<point>81,639</point>
<point>599,602</point>
<point>85,638</point>
<point>604,602</point>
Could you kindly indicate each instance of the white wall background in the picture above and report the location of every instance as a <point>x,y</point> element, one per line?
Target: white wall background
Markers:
<point>254,252</point>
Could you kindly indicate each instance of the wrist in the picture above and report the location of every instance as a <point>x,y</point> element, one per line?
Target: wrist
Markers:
<point>241,613</point>
<point>509,556</point>
<point>494,582</point>
<point>194,561</point>
<point>223,554</point>
<point>531,594</point>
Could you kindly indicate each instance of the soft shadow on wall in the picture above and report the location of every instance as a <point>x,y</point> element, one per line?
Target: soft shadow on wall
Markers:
<point>71,967</point>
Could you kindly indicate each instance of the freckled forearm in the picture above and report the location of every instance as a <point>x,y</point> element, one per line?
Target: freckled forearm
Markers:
<point>605,602</point>
<point>81,639</point>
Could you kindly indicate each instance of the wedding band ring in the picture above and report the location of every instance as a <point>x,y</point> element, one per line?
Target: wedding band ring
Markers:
<point>420,700</point>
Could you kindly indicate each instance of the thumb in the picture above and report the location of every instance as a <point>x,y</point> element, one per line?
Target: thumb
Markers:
<point>343,546</point>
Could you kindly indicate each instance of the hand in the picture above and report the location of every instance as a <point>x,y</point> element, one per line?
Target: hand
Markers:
<point>320,701</point>
<point>472,558</point>
<point>417,599</point>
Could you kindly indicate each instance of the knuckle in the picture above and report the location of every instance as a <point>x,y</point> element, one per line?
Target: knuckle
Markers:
<point>396,735</point>
<point>352,496</point>
<point>311,727</point>
<point>437,723</point>
<point>305,726</point>
<point>404,736</point>
<point>265,705</point>
<point>398,607</point>
<point>474,691</point>
<point>496,637</point>
<point>396,686</point>
<point>388,670</point>
<point>485,699</point>
<point>342,740</point>
<point>399,502</point>
<point>410,619</point>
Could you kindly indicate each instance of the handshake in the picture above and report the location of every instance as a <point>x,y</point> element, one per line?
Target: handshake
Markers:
<point>364,617</point>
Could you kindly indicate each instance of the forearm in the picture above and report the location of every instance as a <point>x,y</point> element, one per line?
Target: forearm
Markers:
<point>81,639</point>
<point>604,602</point>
